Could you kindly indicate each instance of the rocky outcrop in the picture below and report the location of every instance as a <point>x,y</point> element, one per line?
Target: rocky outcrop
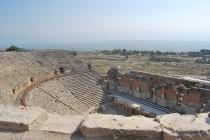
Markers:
<point>115,126</point>
<point>185,127</point>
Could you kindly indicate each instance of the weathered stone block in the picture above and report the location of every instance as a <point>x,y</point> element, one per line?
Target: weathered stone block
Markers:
<point>185,127</point>
<point>67,124</point>
<point>98,125</point>
<point>19,118</point>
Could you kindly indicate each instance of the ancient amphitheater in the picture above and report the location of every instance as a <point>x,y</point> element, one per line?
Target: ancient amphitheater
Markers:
<point>53,95</point>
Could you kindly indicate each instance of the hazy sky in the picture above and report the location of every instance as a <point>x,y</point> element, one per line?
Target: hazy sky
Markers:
<point>61,21</point>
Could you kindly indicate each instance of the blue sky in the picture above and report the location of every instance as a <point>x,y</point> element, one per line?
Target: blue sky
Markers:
<point>64,21</point>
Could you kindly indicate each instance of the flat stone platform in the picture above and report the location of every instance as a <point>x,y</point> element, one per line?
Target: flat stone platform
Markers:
<point>21,118</point>
<point>67,124</point>
<point>98,125</point>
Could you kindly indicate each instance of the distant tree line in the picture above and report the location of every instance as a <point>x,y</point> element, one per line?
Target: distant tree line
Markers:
<point>205,52</point>
<point>199,53</point>
<point>135,52</point>
<point>151,53</point>
<point>164,59</point>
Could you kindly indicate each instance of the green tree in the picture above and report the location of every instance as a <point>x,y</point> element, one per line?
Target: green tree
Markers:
<point>14,48</point>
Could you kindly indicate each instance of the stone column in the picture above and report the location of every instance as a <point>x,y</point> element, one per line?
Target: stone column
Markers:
<point>180,89</point>
<point>154,93</point>
<point>131,86</point>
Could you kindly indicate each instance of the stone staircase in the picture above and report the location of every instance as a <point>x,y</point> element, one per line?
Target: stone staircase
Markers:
<point>86,88</point>
<point>78,92</point>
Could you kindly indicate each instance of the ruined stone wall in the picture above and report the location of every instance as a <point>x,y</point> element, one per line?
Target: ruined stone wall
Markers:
<point>123,84</point>
<point>163,90</point>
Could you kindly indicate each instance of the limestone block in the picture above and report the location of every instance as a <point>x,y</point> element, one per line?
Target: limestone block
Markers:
<point>67,124</point>
<point>185,127</point>
<point>33,135</point>
<point>21,118</point>
<point>98,125</point>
